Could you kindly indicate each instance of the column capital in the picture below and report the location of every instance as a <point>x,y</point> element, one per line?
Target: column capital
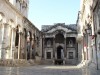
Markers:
<point>6,24</point>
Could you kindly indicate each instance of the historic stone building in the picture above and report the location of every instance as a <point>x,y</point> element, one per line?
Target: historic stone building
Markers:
<point>85,29</point>
<point>59,45</point>
<point>19,38</point>
<point>88,25</point>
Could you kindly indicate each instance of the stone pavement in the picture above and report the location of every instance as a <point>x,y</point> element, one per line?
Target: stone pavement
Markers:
<point>48,70</point>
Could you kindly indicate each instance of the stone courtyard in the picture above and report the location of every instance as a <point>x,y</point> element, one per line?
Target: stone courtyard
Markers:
<point>48,70</point>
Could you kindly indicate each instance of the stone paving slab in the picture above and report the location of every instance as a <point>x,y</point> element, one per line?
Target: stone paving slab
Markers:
<point>47,70</point>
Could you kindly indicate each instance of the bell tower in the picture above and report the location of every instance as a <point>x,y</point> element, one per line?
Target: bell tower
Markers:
<point>21,5</point>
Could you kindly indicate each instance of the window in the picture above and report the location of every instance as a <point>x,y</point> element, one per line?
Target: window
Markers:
<point>48,43</point>
<point>70,43</point>
<point>48,55</point>
<point>70,55</point>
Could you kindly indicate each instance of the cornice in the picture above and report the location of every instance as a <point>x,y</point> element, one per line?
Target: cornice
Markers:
<point>62,25</point>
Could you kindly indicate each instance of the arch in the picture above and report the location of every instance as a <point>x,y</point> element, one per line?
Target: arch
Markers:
<point>59,31</point>
<point>59,38</point>
<point>2,16</point>
<point>18,25</point>
<point>29,36</point>
<point>25,33</point>
<point>11,22</point>
<point>17,36</point>
<point>59,52</point>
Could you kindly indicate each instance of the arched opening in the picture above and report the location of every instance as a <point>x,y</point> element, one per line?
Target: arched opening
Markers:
<point>60,55</point>
<point>17,37</point>
<point>1,26</point>
<point>25,33</point>
<point>29,39</point>
<point>59,38</point>
<point>25,43</point>
<point>59,52</point>
<point>33,46</point>
<point>1,16</point>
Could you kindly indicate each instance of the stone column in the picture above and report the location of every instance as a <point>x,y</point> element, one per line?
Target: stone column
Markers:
<point>19,45</point>
<point>6,41</point>
<point>31,47</point>
<point>54,48</point>
<point>2,42</point>
<point>65,51</point>
<point>25,45</point>
<point>43,52</point>
<point>54,56</point>
<point>11,43</point>
<point>0,38</point>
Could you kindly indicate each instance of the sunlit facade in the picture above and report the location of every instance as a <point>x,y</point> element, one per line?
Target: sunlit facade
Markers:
<point>18,36</point>
<point>88,31</point>
<point>59,44</point>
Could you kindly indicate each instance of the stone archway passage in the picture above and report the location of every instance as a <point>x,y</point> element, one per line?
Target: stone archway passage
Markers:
<point>59,59</point>
<point>59,53</point>
<point>17,37</point>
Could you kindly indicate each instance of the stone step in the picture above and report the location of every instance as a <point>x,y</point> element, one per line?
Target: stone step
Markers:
<point>15,62</point>
<point>46,62</point>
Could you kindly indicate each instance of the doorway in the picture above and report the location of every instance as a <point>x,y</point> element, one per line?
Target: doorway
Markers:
<point>59,52</point>
<point>60,55</point>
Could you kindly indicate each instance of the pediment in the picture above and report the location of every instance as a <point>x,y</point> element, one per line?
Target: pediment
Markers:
<point>59,28</point>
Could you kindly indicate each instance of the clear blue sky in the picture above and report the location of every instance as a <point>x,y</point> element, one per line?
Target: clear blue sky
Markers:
<point>48,12</point>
